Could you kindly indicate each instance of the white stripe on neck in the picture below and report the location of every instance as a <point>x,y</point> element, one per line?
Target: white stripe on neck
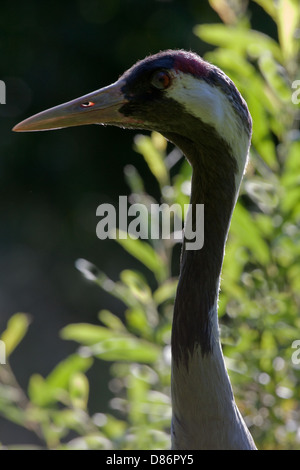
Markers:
<point>205,415</point>
<point>209,104</point>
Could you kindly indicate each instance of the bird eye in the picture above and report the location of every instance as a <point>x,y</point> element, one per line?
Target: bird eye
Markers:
<point>161,80</point>
<point>87,104</point>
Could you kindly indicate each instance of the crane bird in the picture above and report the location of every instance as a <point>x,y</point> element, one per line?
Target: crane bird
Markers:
<point>198,108</point>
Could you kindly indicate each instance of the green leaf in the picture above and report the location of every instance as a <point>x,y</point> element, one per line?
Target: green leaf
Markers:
<point>292,164</point>
<point>241,39</point>
<point>111,321</point>
<point>154,158</point>
<point>249,235</point>
<point>39,392</point>
<point>290,182</point>
<point>111,346</point>
<point>271,72</point>
<point>85,333</point>
<point>126,348</point>
<point>166,291</point>
<point>61,374</point>
<point>17,327</point>
<point>233,265</point>
<point>137,284</point>
<point>145,254</point>
<point>288,18</point>
<point>79,390</point>
<point>137,321</point>
<point>43,392</point>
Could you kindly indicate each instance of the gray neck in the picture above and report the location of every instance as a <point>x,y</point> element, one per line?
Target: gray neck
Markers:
<point>213,184</point>
<point>205,415</point>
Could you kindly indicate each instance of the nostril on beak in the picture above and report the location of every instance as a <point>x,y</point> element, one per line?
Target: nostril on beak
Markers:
<point>87,104</point>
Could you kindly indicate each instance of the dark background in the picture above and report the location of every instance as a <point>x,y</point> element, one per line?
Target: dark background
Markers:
<point>52,182</point>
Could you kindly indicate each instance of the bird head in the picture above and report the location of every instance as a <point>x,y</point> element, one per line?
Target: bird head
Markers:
<point>176,93</point>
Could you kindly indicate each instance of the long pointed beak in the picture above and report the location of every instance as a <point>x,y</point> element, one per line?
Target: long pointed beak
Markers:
<point>99,107</point>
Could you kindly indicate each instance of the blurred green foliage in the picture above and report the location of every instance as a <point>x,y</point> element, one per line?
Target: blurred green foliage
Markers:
<point>259,299</point>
